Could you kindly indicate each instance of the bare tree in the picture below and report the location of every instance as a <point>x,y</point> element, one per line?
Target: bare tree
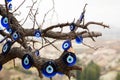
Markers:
<point>17,34</point>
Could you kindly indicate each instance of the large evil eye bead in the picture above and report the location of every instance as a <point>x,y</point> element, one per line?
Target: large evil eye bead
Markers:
<point>9,0</point>
<point>37,52</point>
<point>49,69</point>
<point>0,67</point>
<point>4,22</point>
<point>79,39</point>
<point>10,6</point>
<point>15,36</point>
<point>37,33</point>
<point>27,61</point>
<point>6,47</point>
<point>66,45</point>
<point>72,27</point>
<point>69,59</point>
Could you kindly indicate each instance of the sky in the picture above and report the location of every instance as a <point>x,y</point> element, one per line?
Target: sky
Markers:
<point>106,11</point>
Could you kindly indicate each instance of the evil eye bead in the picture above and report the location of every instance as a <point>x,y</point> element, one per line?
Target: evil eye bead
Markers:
<point>10,30</point>
<point>15,36</point>
<point>37,33</point>
<point>66,45</point>
<point>0,67</point>
<point>27,61</point>
<point>49,69</point>
<point>79,39</point>
<point>4,22</point>
<point>6,47</point>
<point>81,17</point>
<point>69,59</point>
<point>37,52</point>
<point>10,6</point>
<point>72,27</point>
<point>9,0</point>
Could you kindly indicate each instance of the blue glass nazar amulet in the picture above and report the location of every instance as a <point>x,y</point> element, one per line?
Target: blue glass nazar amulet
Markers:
<point>4,22</point>
<point>15,36</point>
<point>37,33</point>
<point>79,39</point>
<point>72,26</point>
<point>10,30</point>
<point>66,45</point>
<point>69,59</point>
<point>27,61</point>
<point>49,69</point>
<point>9,0</point>
<point>37,52</point>
<point>10,6</point>
<point>6,47</point>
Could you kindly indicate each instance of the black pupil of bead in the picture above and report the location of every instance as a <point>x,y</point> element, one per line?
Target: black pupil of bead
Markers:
<point>15,35</point>
<point>49,68</point>
<point>26,61</point>
<point>69,59</point>
<point>5,21</point>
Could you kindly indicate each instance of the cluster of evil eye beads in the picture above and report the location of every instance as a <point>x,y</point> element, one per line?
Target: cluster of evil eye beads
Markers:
<point>78,39</point>
<point>49,68</point>
<point>15,35</point>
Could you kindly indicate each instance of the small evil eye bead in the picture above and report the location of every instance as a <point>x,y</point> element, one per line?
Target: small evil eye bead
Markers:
<point>10,30</point>
<point>6,47</point>
<point>66,45</point>
<point>10,6</point>
<point>37,33</point>
<point>4,22</point>
<point>72,27</point>
<point>79,39</point>
<point>27,61</point>
<point>9,0</point>
<point>82,16</point>
<point>0,67</point>
<point>15,36</point>
<point>49,69</point>
<point>69,59</point>
<point>37,53</point>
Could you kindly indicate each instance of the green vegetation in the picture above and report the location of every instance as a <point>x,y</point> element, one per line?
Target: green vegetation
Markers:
<point>91,72</point>
<point>118,76</point>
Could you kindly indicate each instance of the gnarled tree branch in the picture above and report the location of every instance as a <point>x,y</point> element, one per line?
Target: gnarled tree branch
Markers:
<point>17,52</point>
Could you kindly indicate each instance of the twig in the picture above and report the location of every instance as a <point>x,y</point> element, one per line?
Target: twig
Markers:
<point>52,44</point>
<point>28,13</point>
<point>96,23</point>
<point>19,6</point>
<point>47,14</point>
<point>89,46</point>
<point>14,63</point>
<point>47,44</point>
